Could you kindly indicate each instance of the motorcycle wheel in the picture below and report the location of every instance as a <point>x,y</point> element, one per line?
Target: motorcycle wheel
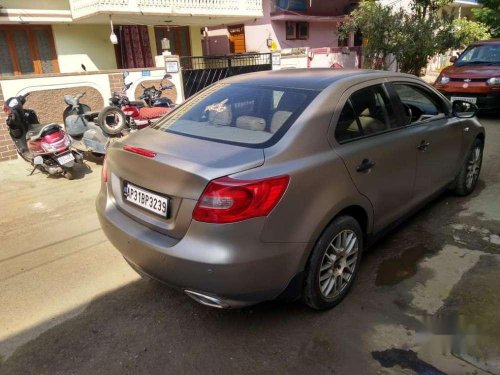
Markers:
<point>112,120</point>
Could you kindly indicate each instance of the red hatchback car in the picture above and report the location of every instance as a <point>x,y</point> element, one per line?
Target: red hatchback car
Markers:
<point>474,76</point>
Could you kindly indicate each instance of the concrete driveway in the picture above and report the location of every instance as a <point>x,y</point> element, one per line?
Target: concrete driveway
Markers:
<point>427,299</point>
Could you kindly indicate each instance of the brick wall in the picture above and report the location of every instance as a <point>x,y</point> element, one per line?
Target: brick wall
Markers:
<point>7,148</point>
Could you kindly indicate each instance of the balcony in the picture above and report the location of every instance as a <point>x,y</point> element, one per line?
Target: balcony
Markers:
<point>195,12</point>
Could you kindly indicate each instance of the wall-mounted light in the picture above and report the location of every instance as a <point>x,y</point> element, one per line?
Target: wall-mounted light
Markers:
<point>112,37</point>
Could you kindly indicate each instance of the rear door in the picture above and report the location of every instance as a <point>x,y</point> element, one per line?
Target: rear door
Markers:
<point>379,154</point>
<point>438,138</point>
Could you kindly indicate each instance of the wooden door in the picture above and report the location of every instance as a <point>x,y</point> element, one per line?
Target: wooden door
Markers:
<point>178,37</point>
<point>237,38</point>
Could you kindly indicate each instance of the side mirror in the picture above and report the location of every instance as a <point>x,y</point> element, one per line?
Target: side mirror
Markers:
<point>453,59</point>
<point>125,74</point>
<point>464,109</point>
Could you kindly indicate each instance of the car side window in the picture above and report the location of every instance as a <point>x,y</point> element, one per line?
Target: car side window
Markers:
<point>347,126</point>
<point>419,104</point>
<point>374,110</point>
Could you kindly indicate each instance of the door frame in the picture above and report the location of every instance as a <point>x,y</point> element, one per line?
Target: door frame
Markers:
<point>176,42</point>
<point>242,26</point>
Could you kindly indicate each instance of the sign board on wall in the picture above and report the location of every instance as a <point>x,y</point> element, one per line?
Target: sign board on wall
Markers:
<point>172,66</point>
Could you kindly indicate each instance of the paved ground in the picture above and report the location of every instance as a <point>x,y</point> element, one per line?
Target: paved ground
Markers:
<point>426,300</point>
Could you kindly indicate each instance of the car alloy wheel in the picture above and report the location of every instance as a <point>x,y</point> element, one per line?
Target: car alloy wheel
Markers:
<point>338,264</point>
<point>473,167</point>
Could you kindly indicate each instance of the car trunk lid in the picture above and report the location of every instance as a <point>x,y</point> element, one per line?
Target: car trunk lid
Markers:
<point>180,169</point>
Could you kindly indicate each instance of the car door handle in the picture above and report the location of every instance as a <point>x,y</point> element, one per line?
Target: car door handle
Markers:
<point>423,146</point>
<point>365,166</point>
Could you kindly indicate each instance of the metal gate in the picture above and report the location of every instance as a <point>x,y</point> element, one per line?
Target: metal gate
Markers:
<point>199,72</point>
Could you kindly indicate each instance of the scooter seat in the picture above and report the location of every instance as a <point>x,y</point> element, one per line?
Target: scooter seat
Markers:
<point>40,130</point>
<point>150,113</point>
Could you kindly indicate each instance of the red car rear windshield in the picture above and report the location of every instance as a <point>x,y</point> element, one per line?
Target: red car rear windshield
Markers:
<point>248,115</point>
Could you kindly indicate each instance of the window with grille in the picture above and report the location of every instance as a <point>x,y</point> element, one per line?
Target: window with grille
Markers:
<point>27,50</point>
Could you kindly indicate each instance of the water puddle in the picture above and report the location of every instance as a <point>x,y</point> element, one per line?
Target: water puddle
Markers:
<point>394,270</point>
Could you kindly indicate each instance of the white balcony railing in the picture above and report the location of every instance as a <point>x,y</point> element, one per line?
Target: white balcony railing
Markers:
<point>220,8</point>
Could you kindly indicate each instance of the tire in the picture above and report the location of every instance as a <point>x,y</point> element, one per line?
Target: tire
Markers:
<point>69,173</point>
<point>468,176</point>
<point>112,120</point>
<point>318,292</point>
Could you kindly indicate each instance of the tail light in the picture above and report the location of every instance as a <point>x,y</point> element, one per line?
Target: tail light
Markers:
<point>104,171</point>
<point>226,200</point>
<point>6,109</point>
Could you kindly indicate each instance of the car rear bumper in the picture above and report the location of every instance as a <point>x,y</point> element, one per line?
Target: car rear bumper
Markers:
<point>486,102</point>
<point>225,261</point>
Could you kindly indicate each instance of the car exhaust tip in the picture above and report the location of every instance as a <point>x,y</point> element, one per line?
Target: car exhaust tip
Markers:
<point>207,300</point>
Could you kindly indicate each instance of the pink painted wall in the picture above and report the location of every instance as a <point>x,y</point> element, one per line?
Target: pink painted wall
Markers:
<point>321,34</point>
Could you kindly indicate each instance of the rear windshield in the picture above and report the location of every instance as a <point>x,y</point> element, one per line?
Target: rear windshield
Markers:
<point>254,116</point>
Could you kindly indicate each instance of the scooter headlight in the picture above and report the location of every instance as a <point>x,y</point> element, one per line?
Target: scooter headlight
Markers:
<point>48,147</point>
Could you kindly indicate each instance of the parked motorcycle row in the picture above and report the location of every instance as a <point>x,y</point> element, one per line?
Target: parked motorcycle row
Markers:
<point>56,150</point>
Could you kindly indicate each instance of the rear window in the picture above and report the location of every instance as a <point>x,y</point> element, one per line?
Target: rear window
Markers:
<point>254,116</point>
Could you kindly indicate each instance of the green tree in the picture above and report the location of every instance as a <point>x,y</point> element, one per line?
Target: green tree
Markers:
<point>410,37</point>
<point>378,25</point>
<point>422,34</point>
<point>489,14</point>
<point>467,32</point>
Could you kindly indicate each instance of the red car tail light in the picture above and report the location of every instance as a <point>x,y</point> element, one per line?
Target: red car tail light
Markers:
<point>104,171</point>
<point>227,200</point>
<point>140,151</point>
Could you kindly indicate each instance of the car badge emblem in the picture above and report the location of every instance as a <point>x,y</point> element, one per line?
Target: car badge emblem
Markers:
<point>467,80</point>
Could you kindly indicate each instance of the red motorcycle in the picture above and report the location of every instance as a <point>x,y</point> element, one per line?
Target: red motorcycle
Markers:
<point>46,147</point>
<point>123,112</point>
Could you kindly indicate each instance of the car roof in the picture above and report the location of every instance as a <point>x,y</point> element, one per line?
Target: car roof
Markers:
<point>307,78</point>
<point>489,41</point>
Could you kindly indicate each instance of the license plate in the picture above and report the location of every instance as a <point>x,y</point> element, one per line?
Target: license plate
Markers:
<point>65,159</point>
<point>464,98</point>
<point>145,199</point>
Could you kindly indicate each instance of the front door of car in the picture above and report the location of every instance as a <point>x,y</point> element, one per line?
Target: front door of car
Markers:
<point>438,138</point>
<point>379,155</point>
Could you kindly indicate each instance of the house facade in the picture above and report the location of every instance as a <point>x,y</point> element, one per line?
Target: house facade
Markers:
<point>286,24</point>
<point>63,36</point>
